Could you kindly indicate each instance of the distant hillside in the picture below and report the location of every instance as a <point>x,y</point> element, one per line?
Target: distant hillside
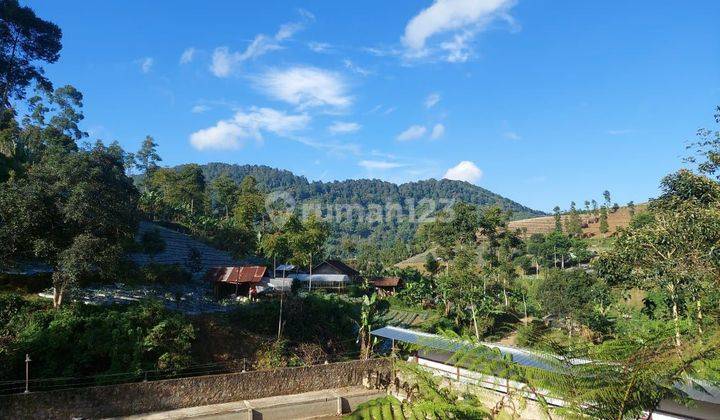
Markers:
<point>591,224</point>
<point>367,192</point>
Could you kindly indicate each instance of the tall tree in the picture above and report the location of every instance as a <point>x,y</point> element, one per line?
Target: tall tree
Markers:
<point>558,219</point>
<point>76,209</point>
<point>147,158</point>
<point>250,206</point>
<point>706,150</point>
<point>573,223</point>
<point>606,196</point>
<point>223,192</point>
<point>631,209</point>
<point>604,227</point>
<point>25,41</point>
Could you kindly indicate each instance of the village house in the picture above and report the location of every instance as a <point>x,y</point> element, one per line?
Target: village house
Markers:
<point>238,281</point>
<point>337,267</point>
<point>387,286</point>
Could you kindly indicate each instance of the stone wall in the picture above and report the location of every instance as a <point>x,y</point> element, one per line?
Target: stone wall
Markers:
<point>145,397</point>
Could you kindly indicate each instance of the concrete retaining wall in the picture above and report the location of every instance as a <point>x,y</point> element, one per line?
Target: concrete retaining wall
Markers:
<point>145,397</point>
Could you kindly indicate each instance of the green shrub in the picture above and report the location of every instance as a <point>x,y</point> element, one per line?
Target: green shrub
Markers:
<point>85,340</point>
<point>165,274</point>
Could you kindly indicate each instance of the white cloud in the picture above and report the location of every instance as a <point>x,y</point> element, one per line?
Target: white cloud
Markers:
<point>437,131</point>
<point>333,148</point>
<point>379,164</point>
<point>390,110</point>
<point>339,127</point>
<point>231,133</point>
<point>305,87</point>
<point>187,55</point>
<point>319,47</point>
<point>432,100</point>
<point>511,135</point>
<point>224,60</point>
<point>464,171</point>
<point>413,132</point>
<point>461,18</point>
<point>355,68</point>
<point>199,109</point>
<point>457,49</point>
<point>146,64</point>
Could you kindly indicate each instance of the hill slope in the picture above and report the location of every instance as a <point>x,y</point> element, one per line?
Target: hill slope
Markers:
<point>365,191</point>
<point>414,200</point>
<point>591,224</point>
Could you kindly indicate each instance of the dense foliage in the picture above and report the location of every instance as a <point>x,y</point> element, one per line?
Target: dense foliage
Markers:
<point>83,340</point>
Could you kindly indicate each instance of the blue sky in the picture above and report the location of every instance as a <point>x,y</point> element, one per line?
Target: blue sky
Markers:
<point>541,101</point>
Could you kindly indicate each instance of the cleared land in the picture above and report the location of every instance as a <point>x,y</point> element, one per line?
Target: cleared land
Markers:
<point>591,223</point>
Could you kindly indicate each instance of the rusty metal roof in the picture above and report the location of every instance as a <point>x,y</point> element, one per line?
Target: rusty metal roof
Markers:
<point>386,282</point>
<point>236,275</point>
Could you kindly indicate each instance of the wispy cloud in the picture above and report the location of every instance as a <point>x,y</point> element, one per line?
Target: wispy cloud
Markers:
<point>464,171</point>
<point>413,132</point>
<point>462,20</point>
<point>231,133</point>
<point>511,135</point>
<point>146,64</point>
<point>199,109</point>
<point>187,55</point>
<point>224,60</point>
<point>621,132</point>
<point>379,164</point>
<point>432,100</point>
<point>339,127</point>
<point>338,149</point>
<point>305,87</point>
<point>437,131</point>
<point>355,68</point>
<point>320,47</point>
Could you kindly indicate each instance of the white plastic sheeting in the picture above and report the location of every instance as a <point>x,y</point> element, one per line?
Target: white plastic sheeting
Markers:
<point>320,279</point>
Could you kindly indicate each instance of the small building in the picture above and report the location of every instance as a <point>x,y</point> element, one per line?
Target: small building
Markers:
<point>387,286</point>
<point>337,267</point>
<point>240,281</point>
<point>337,282</point>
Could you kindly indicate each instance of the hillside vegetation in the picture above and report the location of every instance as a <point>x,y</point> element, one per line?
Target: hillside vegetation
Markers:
<point>331,196</point>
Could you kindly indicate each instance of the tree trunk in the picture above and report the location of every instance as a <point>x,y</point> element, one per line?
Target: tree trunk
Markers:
<point>505,295</point>
<point>699,316</point>
<point>475,325</point>
<point>57,296</point>
<point>525,310</point>
<point>676,317</point>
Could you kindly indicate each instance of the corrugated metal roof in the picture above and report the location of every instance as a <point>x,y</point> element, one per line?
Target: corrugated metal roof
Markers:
<point>236,275</point>
<point>695,389</point>
<point>436,342</point>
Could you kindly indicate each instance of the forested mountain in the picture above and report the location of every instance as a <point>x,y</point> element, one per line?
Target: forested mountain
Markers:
<point>364,191</point>
<point>426,197</point>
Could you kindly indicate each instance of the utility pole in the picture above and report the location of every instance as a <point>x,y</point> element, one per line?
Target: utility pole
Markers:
<point>27,373</point>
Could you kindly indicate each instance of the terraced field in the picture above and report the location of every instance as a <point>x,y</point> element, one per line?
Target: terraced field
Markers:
<point>406,319</point>
<point>591,224</point>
